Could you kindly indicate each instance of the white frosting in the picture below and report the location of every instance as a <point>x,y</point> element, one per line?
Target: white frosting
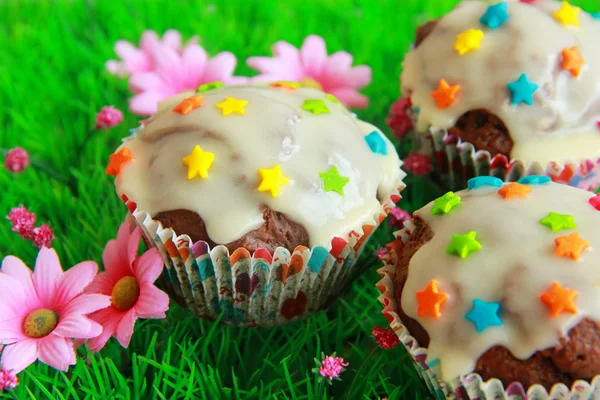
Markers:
<point>561,123</point>
<point>273,130</point>
<point>515,265</point>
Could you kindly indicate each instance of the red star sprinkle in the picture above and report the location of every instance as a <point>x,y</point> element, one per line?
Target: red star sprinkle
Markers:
<point>595,201</point>
<point>118,160</point>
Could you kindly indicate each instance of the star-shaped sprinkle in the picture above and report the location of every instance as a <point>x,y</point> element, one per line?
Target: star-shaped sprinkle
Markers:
<point>189,104</point>
<point>468,41</point>
<point>596,15</point>
<point>514,190</point>
<point>443,205</point>
<point>272,180</point>
<point>232,105</point>
<point>535,180</point>
<point>118,160</point>
<point>522,90</point>
<point>559,300</point>
<point>332,98</point>
<point>595,202</point>
<point>209,86</point>
<point>484,314</point>
<point>376,143</point>
<point>463,245</point>
<point>567,14</point>
<point>572,60</point>
<point>570,246</point>
<point>333,181</point>
<point>557,222</point>
<point>495,16</point>
<point>430,300</point>
<point>445,95</point>
<point>285,85</point>
<point>484,181</point>
<point>316,107</point>
<point>198,163</point>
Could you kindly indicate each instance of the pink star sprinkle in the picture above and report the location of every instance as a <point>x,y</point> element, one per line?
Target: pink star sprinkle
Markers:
<point>8,380</point>
<point>595,202</point>
<point>417,164</point>
<point>16,160</point>
<point>22,221</point>
<point>43,236</point>
<point>332,367</point>
<point>108,117</point>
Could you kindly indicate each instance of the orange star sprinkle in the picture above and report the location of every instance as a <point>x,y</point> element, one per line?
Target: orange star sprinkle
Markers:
<point>189,104</point>
<point>559,300</point>
<point>285,85</point>
<point>572,60</point>
<point>571,246</point>
<point>118,160</point>
<point>513,190</point>
<point>431,300</point>
<point>445,95</point>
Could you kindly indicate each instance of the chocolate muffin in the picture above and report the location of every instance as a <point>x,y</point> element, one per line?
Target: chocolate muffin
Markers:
<point>516,79</point>
<point>502,280</point>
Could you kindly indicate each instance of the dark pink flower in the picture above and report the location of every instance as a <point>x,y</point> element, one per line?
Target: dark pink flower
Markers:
<point>43,236</point>
<point>380,253</point>
<point>385,338</point>
<point>417,164</point>
<point>400,118</point>
<point>22,221</point>
<point>16,160</point>
<point>332,367</point>
<point>108,117</point>
<point>8,380</point>
<point>397,217</point>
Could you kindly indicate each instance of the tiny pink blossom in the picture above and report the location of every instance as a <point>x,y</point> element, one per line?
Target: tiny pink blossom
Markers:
<point>400,118</point>
<point>332,367</point>
<point>16,160</point>
<point>43,236</point>
<point>108,117</point>
<point>397,217</point>
<point>417,164</point>
<point>311,66</point>
<point>41,312</point>
<point>22,221</point>
<point>380,253</point>
<point>8,380</point>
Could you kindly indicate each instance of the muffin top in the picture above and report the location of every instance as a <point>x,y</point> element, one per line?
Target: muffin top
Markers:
<point>228,152</point>
<point>534,66</point>
<point>512,265</point>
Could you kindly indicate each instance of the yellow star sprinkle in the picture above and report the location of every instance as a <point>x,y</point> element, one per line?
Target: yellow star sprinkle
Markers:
<point>198,163</point>
<point>567,14</point>
<point>468,41</point>
<point>272,180</point>
<point>231,105</point>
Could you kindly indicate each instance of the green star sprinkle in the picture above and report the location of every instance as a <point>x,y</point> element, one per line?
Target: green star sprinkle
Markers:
<point>557,222</point>
<point>334,182</point>
<point>315,106</point>
<point>464,245</point>
<point>209,86</point>
<point>332,98</point>
<point>443,205</point>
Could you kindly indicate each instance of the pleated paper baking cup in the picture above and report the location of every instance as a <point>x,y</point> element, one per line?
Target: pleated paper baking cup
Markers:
<point>469,386</point>
<point>454,162</point>
<point>259,289</point>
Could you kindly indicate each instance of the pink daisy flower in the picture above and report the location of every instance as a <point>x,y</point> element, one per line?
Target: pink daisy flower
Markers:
<point>108,117</point>
<point>42,312</point>
<point>129,281</point>
<point>312,67</point>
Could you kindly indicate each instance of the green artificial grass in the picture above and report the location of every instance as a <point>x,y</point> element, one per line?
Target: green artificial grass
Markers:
<point>52,83</point>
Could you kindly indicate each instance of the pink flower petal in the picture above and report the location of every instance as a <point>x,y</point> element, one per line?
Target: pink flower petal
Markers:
<point>134,60</point>
<point>142,81</point>
<point>56,351</point>
<point>74,281</point>
<point>194,61</point>
<point>149,41</point>
<point>124,329</point>
<point>358,77</point>
<point>45,276</point>
<point>350,97</point>
<point>149,266</point>
<point>238,80</point>
<point>115,256</point>
<point>12,299</point>
<point>116,68</point>
<point>313,54</point>
<point>152,302</point>
<point>78,327</point>
<point>172,38</point>
<point>101,284</point>
<point>220,67</point>
<point>271,67</point>
<point>108,319</point>
<point>19,356</point>
<point>335,68</point>
<point>168,66</point>
<point>133,245</point>
<point>87,303</point>
<point>289,56</point>
<point>145,103</point>
<point>14,267</point>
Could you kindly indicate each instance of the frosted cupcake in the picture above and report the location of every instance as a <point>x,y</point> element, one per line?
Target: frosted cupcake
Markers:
<point>500,284</point>
<point>257,195</point>
<point>506,89</point>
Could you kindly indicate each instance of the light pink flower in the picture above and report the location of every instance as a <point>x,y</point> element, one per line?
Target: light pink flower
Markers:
<point>41,312</point>
<point>332,367</point>
<point>311,66</point>
<point>140,60</point>
<point>16,160</point>
<point>108,117</point>
<point>417,164</point>
<point>129,280</point>
<point>8,380</point>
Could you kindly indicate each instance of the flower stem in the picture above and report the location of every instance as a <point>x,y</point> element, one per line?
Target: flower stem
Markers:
<point>321,387</point>
<point>362,366</point>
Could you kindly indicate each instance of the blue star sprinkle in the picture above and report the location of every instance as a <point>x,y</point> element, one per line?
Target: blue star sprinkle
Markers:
<point>534,180</point>
<point>522,90</point>
<point>495,15</point>
<point>596,15</point>
<point>482,181</point>
<point>484,315</point>
<point>376,143</point>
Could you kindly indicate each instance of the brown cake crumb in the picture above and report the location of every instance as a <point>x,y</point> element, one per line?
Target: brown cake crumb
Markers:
<point>424,30</point>
<point>483,130</point>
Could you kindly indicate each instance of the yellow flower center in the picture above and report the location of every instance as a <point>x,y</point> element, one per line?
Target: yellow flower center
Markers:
<point>125,293</point>
<point>40,323</point>
<point>310,83</point>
